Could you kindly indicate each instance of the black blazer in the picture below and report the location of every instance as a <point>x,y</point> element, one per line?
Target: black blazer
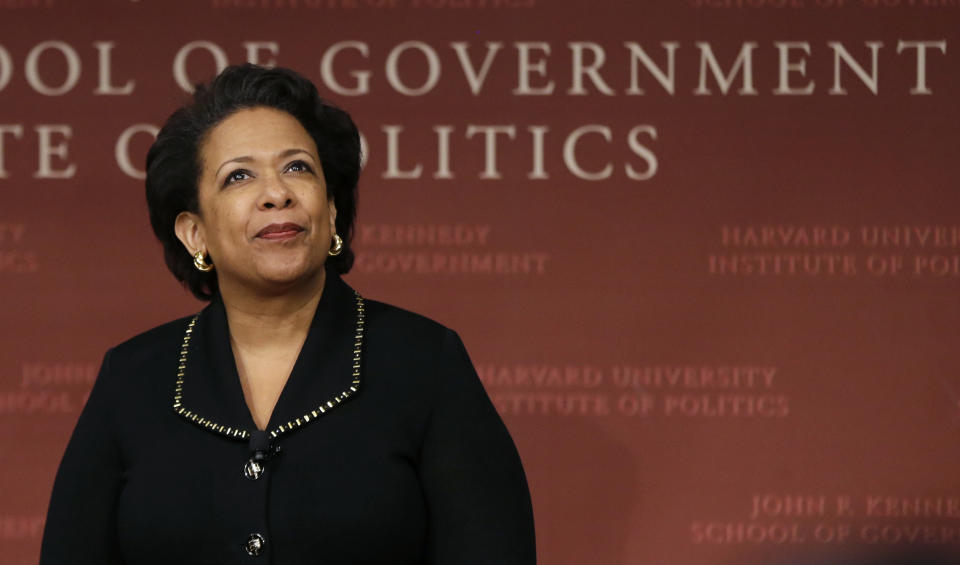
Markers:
<point>415,467</point>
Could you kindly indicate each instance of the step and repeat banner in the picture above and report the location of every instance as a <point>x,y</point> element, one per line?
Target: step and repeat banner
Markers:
<point>705,254</point>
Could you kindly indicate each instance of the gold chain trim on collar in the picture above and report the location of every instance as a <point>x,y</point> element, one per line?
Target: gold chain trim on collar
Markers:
<point>290,426</point>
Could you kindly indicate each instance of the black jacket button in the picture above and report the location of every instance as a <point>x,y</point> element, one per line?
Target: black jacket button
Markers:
<point>253,470</point>
<point>254,544</point>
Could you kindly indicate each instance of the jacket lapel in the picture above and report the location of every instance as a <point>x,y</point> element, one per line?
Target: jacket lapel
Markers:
<point>212,385</point>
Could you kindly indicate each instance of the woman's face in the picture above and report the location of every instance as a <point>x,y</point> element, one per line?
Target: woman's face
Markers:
<point>265,219</point>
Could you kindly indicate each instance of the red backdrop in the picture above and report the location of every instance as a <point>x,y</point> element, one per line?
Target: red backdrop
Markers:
<point>703,253</point>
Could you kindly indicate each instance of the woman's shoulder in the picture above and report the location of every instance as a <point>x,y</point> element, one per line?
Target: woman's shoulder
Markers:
<point>413,340</point>
<point>396,323</point>
<point>145,348</point>
<point>134,368</point>
<point>410,339</point>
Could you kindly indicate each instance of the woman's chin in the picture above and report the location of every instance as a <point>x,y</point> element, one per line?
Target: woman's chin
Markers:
<point>284,275</point>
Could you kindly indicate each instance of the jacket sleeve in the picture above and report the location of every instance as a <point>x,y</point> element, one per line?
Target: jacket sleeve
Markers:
<point>479,507</point>
<point>81,525</point>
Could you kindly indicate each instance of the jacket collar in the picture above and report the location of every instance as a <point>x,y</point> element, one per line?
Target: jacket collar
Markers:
<point>212,385</point>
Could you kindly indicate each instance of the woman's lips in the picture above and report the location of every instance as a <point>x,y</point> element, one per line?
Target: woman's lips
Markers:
<point>280,231</point>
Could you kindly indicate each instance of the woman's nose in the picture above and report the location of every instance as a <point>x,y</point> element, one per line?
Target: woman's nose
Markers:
<point>276,193</point>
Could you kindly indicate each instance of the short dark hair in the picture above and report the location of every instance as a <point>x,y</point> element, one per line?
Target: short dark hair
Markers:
<point>174,163</point>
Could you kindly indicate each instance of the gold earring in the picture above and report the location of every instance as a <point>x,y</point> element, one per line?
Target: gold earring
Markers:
<point>337,246</point>
<point>200,262</point>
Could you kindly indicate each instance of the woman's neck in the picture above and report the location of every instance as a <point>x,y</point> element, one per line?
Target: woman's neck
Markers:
<point>279,320</point>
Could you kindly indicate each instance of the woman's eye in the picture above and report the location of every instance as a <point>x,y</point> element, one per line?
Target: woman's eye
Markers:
<point>299,167</point>
<point>236,176</point>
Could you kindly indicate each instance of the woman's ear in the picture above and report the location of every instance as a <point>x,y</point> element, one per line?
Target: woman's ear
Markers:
<point>189,229</point>
<point>333,216</point>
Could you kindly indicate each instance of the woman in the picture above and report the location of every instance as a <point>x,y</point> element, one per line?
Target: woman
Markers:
<point>291,421</point>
